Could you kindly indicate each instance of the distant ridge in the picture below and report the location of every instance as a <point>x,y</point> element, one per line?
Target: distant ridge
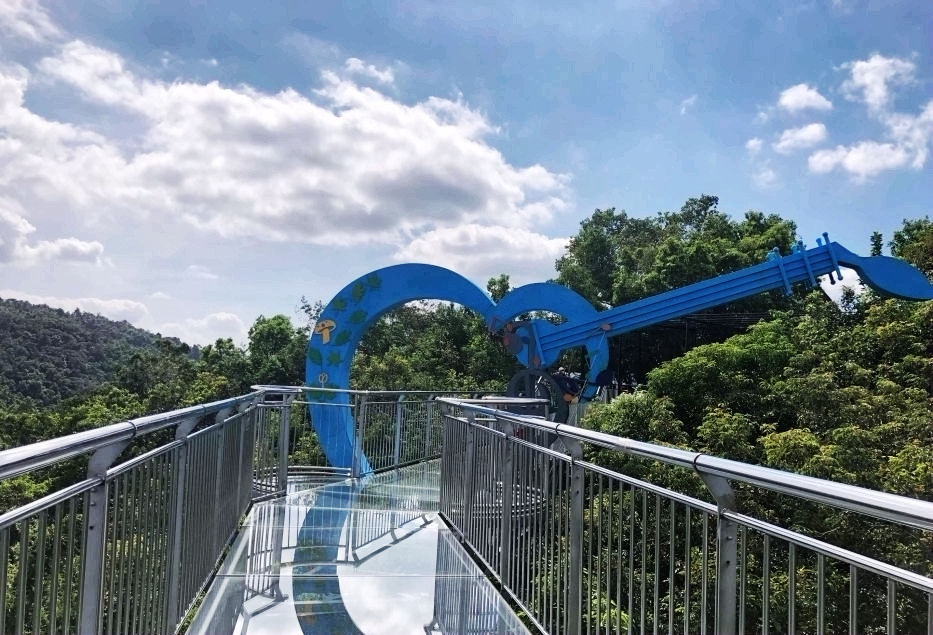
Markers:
<point>48,354</point>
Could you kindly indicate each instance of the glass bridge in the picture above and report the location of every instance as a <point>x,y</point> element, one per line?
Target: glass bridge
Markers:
<point>455,515</point>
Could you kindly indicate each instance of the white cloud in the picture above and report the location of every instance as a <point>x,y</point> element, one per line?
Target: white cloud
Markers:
<point>200,272</point>
<point>351,166</point>
<point>870,80</point>
<point>862,160</point>
<point>26,20</point>
<point>801,138</point>
<point>356,66</point>
<point>909,146</point>
<point>480,251</point>
<point>764,177</point>
<point>753,146</point>
<point>687,104</point>
<point>15,247</point>
<point>114,308</point>
<point>208,329</point>
<point>160,295</point>
<point>803,97</point>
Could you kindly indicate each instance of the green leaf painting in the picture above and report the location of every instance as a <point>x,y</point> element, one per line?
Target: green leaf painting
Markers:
<point>315,356</point>
<point>358,316</point>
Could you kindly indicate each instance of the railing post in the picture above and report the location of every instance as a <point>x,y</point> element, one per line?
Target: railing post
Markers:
<point>429,425</point>
<point>173,576</point>
<point>284,439</point>
<point>506,477</point>
<point>466,492</point>
<point>575,546</point>
<point>218,482</point>
<point>726,554</point>
<point>397,449</point>
<point>95,532</point>
<point>358,429</point>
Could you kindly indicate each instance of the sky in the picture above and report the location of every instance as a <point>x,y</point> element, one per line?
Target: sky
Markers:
<point>188,166</point>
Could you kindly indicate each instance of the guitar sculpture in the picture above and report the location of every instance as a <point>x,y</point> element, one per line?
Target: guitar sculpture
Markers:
<point>538,343</point>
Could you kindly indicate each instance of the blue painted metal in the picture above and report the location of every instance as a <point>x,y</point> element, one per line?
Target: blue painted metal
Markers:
<point>538,343</point>
<point>341,326</point>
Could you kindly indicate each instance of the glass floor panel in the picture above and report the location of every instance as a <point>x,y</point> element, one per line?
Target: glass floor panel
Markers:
<point>369,557</point>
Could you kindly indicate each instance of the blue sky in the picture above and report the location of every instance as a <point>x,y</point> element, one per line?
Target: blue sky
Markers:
<point>190,165</point>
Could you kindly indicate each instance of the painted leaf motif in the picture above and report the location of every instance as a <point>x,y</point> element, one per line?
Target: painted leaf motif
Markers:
<point>358,291</point>
<point>341,338</point>
<point>374,281</point>
<point>315,356</point>
<point>338,304</point>
<point>333,358</point>
<point>358,316</point>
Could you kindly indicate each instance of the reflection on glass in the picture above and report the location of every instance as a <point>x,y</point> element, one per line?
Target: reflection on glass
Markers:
<point>367,557</point>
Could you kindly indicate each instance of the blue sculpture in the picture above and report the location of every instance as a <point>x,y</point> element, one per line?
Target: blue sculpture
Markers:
<point>538,343</point>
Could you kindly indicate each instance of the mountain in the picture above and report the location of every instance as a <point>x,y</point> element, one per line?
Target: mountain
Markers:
<point>47,354</point>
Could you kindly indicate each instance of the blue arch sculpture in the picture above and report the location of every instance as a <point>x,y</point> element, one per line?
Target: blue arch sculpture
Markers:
<point>538,343</point>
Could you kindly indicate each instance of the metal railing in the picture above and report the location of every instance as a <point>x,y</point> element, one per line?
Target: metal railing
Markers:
<point>148,506</point>
<point>129,543</point>
<point>582,548</point>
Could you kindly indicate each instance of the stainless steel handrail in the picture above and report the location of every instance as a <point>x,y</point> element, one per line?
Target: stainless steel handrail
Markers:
<point>892,507</point>
<point>27,458</point>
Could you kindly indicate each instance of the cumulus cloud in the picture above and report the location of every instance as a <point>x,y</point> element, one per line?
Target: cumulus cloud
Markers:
<point>356,66</point>
<point>803,97</point>
<point>870,80</point>
<point>113,308</point>
<point>160,295</point>
<point>687,104</point>
<point>348,165</point>
<point>861,160</point>
<point>753,146</point>
<point>482,251</point>
<point>15,247</point>
<point>208,329</point>
<point>907,137</point>
<point>26,20</point>
<point>794,139</point>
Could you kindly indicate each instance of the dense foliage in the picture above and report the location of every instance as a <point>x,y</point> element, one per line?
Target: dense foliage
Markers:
<point>48,354</point>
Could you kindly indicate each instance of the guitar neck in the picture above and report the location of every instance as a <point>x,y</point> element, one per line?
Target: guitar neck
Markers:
<point>776,273</point>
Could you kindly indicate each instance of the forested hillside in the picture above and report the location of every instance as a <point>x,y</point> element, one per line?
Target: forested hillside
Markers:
<point>49,354</point>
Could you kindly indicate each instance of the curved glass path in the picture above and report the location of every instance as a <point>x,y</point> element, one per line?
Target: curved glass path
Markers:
<point>355,557</point>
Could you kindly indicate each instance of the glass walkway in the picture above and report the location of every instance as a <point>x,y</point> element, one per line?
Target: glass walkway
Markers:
<point>357,557</point>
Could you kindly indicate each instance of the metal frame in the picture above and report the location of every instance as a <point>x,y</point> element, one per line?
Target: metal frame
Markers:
<point>575,542</point>
<point>581,548</point>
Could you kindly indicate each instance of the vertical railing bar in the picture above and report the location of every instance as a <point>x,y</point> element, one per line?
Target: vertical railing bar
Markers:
<point>631,559</point>
<point>656,595</point>
<point>644,556</point>
<point>688,559</point>
<point>743,557</point>
<point>149,535</point>
<point>122,505</point>
<point>597,503</point>
<point>4,569</point>
<point>56,560</point>
<point>139,549</point>
<point>40,566</point>
<point>853,600</point>
<point>132,565</point>
<point>791,587</point>
<point>21,573</point>
<point>670,572</point>
<point>929,613</point>
<point>704,574</point>
<point>621,493</point>
<point>577,482</point>
<point>766,585</point>
<point>610,614</point>
<point>109,551</point>
<point>69,576</point>
<point>891,626</point>
<point>820,594</point>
